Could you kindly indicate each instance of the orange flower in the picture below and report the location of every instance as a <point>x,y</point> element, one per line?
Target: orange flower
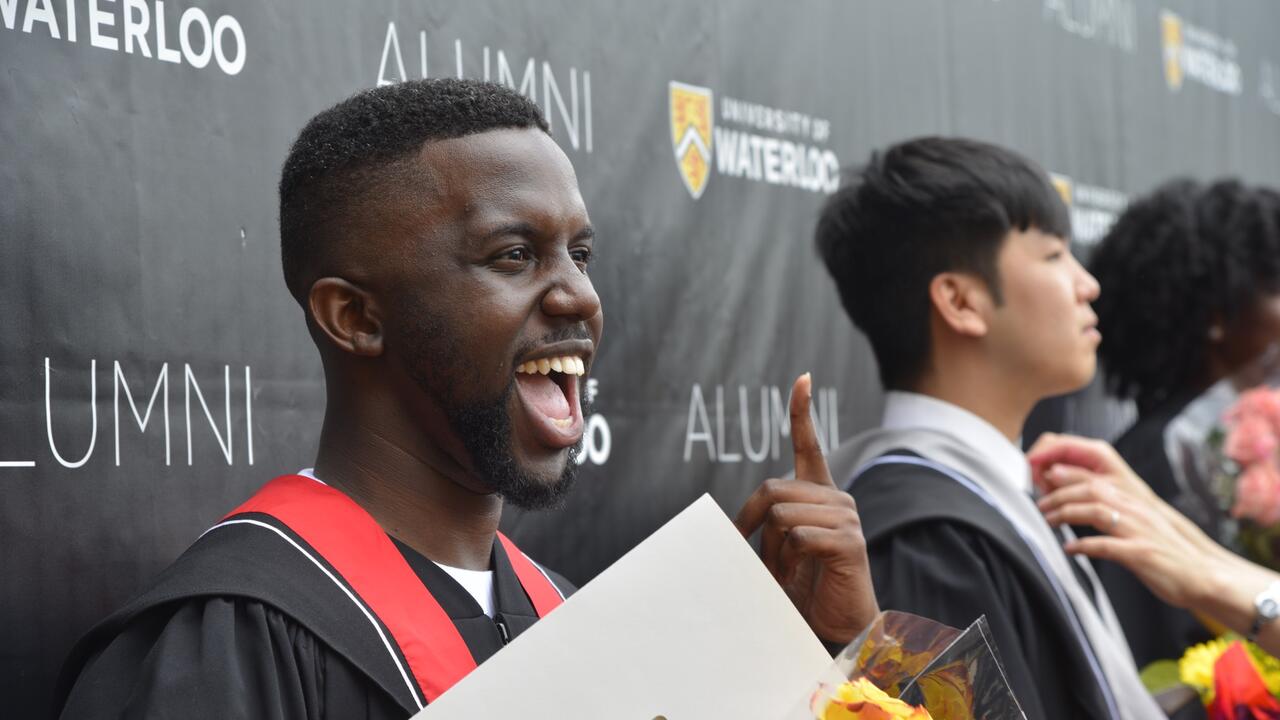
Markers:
<point>861,700</point>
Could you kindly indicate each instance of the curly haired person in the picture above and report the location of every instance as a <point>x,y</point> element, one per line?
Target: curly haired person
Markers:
<point>1191,279</point>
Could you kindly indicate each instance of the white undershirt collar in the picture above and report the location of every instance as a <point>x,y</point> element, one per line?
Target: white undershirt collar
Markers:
<point>477,583</point>
<point>907,410</point>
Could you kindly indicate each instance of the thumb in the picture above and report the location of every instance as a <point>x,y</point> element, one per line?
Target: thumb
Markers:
<point>811,465</point>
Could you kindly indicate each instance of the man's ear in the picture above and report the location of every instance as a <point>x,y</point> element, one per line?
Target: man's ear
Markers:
<point>962,301</point>
<point>348,315</point>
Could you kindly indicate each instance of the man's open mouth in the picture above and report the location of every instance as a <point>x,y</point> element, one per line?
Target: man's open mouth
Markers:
<point>548,389</point>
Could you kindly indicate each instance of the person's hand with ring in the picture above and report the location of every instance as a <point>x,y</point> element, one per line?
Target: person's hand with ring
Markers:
<point>1085,482</point>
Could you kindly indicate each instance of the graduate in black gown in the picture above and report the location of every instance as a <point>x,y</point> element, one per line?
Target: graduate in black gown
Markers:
<point>952,257</point>
<point>435,238</point>
<point>271,640</point>
<point>1192,273</point>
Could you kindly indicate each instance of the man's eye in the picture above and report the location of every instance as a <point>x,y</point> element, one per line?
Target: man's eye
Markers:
<point>581,256</point>
<point>1056,255</point>
<point>516,254</point>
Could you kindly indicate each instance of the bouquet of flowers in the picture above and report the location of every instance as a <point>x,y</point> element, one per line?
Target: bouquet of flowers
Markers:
<point>1246,473</point>
<point>905,666</point>
<point>1235,679</point>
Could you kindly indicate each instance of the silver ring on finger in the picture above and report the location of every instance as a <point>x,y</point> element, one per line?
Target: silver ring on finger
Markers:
<point>1115,520</point>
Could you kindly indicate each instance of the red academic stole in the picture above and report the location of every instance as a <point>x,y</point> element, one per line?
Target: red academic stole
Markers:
<point>358,549</point>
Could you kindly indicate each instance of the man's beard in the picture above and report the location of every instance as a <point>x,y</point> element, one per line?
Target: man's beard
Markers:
<point>484,426</point>
<point>485,429</point>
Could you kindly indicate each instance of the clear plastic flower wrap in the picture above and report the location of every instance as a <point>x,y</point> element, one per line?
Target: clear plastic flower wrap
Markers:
<point>919,669</point>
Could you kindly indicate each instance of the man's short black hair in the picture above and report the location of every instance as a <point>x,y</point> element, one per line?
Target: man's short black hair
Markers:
<point>920,208</point>
<point>353,152</point>
<point>1177,261</point>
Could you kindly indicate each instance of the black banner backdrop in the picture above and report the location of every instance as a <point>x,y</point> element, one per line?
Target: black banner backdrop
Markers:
<point>153,370</point>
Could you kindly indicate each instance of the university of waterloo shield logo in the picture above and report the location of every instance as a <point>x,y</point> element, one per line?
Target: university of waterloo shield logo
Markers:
<point>1171,40</point>
<point>692,118</point>
<point>1062,184</point>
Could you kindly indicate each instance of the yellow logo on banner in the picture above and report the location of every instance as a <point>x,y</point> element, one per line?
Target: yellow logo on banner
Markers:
<point>1062,184</point>
<point>691,122</point>
<point>1171,36</point>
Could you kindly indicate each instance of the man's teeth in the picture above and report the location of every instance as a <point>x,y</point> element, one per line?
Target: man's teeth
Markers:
<point>567,364</point>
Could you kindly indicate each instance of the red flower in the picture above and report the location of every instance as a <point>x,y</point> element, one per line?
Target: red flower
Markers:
<point>1239,693</point>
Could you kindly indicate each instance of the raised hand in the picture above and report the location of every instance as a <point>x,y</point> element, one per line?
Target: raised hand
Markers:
<point>1054,457</point>
<point>1061,461</point>
<point>1086,482</point>
<point>811,536</point>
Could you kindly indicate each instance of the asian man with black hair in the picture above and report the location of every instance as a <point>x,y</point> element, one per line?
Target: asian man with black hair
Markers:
<point>952,257</point>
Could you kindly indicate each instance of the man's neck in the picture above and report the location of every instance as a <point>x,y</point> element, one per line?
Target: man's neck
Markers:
<point>408,491</point>
<point>993,399</point>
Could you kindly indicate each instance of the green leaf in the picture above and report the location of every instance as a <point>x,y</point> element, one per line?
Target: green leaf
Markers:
<point>1161,675</point>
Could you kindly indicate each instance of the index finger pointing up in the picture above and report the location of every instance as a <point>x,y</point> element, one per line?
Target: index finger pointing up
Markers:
<point>811,465</point>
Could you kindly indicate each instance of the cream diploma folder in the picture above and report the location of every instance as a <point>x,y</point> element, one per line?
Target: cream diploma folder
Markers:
<point>689,625</point>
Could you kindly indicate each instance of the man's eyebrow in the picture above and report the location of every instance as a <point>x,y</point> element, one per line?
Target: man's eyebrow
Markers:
<point>522,229</point>
<point>528,230</point>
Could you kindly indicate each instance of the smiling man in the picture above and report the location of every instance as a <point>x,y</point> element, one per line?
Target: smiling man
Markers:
<point>952,257</point>
<point>436,240</point>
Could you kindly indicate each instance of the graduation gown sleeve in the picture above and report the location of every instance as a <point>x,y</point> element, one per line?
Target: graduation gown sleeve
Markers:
<point>953,574</point>
<point>226,658</point>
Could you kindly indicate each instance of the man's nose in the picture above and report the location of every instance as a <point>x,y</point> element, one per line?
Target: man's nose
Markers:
<point>572,295</point>
<point>1087,286</point>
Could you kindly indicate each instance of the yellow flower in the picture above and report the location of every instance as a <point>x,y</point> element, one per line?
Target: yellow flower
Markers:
<point>862,700</point>
<point>1196,666</point>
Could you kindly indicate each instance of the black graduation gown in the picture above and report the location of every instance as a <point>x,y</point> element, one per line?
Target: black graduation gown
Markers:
<point>939,551</point>
<point>218,637</point>
<point>1155,630</point>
